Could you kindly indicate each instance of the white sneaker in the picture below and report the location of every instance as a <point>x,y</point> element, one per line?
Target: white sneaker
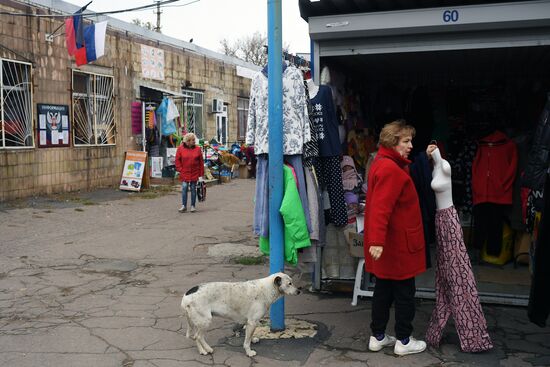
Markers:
<point>412,347</point>
<point>193,209</point>
<point>375,345</point>
<point>182,209</point>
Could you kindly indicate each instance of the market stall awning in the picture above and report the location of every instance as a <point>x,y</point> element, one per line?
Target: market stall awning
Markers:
<point>164,91</point>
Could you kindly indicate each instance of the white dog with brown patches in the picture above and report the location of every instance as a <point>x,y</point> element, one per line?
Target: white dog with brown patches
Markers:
<point>243,302</point>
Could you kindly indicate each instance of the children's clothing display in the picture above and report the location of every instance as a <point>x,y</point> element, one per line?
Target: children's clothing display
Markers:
<point>455,286</point>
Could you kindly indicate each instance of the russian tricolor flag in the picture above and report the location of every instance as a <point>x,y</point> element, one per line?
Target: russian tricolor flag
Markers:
<point>85,44</point>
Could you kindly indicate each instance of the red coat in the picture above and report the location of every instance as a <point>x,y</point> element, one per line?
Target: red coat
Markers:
<point>494,169</point>
<point>189,163</point>
<point>393,219</point>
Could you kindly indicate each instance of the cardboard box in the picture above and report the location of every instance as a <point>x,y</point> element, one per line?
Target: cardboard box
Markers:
<point>355,242</point>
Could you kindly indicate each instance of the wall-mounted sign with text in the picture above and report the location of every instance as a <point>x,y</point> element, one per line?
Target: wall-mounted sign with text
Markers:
<point>152,62</point>
<point>53,125</point>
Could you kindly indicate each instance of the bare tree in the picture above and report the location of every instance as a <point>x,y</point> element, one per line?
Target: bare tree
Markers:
<point>250,48</point>
<point>150,26</point>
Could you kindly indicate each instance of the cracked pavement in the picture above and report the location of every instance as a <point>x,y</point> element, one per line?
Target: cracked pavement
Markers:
<point>97,282</point>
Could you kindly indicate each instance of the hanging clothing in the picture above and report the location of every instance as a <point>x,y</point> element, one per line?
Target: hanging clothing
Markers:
<point>326,123</point>
<point>455,288</point>
<point>539,155</point>
<point>313,199</point>
<point>296,235</point>
<point>488,226</point>
<point>421,174</point>
<point>296,130</point>
<point>166,116</point>
<point>393,219</point>
<point>330,177</point>
<point>539,297</point>
<point>261,207</point>
<point>494,169</point>
<point>311,148</point>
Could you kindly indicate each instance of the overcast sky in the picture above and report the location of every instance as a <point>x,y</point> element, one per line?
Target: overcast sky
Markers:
<point>209,21</point>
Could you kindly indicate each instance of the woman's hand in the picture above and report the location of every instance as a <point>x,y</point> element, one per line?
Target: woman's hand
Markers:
<point>430,149</point>
<point>376,251</point>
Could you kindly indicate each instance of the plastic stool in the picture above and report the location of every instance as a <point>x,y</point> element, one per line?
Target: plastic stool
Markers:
<point>357,290</point>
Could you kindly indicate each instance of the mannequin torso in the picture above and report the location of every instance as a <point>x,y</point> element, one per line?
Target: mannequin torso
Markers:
<point>312,88</point>
<point>441,181</point>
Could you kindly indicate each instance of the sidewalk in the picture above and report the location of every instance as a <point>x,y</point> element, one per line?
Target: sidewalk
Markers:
<point>96,280</point>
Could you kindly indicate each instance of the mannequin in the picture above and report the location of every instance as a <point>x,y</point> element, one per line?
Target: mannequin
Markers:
<point>325,76</point>
<point>441,181</point>
<point>312,88</point>
<point>455,286</point>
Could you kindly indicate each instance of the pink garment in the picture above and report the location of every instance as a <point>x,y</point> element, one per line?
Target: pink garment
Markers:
<point>455,288</point>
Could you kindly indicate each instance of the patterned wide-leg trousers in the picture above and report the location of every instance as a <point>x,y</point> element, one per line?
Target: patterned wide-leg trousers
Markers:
<point>455,288</point>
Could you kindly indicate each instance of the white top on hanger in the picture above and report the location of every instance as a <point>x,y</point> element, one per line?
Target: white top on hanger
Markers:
<point>441,181</point>
<point>312,88</point>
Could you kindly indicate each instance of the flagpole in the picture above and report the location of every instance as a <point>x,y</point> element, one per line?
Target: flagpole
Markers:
<point>52,35</point>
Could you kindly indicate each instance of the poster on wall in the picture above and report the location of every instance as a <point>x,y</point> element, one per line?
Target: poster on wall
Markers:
<point>53,125</point>
<point>152,62</point>
<point>132,173</point>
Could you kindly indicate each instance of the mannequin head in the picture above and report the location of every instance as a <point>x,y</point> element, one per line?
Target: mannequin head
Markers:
<point>325,75</point>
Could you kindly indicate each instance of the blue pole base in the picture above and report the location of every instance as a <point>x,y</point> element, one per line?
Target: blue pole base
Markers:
<point>277,315</point>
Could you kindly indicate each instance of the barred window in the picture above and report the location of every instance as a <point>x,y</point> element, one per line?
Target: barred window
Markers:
<point>193,112</point>
<point>93,109</point>
<point>242,117</point>
<point>16,126</point>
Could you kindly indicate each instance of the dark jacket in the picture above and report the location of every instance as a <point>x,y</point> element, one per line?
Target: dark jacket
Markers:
<point>539,155</point>
<point>393,219</point>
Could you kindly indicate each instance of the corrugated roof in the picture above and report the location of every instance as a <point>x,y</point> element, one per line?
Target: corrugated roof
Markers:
<point>338,7</point>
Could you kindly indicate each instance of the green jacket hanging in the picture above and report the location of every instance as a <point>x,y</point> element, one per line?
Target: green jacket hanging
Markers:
<point>296,235</point>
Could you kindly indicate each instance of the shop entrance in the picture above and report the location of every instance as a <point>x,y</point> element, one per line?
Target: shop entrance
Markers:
<point>456,97</point>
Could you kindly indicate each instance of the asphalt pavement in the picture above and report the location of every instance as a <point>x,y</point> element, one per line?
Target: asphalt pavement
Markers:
<point>95,279</point>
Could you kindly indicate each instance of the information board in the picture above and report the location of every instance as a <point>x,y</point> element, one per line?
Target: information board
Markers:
<point>132,173</point>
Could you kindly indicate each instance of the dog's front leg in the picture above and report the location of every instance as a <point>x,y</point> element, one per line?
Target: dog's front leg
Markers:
<point>250,327</point>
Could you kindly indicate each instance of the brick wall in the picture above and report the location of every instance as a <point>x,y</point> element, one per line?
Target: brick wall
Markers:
<point>34,171</point>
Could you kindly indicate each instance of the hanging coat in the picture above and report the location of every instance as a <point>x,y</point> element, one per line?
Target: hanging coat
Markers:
<point>494,169</point>
<point>296,234</point>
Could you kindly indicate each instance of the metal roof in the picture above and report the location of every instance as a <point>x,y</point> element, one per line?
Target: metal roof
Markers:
<point>338,7</point>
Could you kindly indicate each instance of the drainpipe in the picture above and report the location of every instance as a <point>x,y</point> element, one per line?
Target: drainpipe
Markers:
<point>275,172</point>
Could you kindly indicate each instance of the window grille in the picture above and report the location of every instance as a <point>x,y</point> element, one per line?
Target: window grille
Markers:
<point>93,109</point>
<point>242,117</point>
<point>16,126</point>
<point>193,112</point>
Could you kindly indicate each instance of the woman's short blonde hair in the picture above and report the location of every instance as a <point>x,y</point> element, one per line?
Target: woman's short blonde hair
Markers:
<point>392,132</point>
<point>188,137</point>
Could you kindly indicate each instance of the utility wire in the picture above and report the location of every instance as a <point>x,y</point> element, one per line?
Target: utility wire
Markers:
<point>143,7</point>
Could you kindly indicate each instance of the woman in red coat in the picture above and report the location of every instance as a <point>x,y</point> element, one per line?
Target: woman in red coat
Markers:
<point>394,239</point>
<point>190,165</point>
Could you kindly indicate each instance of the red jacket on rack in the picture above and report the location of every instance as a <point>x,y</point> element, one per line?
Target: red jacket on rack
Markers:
<point>393,219</point>
<point>189,163</point>
<point>494,169</point>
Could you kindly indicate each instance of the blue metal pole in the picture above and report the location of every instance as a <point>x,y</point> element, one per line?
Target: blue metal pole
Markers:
<point>275,116</point>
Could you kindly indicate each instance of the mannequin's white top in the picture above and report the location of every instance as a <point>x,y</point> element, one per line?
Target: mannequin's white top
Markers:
<point>441,181</point>
<point>312,88</point>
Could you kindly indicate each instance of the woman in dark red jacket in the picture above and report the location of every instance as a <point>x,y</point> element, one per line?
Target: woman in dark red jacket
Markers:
<point>190,165</point>
<point>394,239</point>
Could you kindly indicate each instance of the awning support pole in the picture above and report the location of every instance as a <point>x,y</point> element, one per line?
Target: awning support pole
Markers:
<point>275,171</point>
